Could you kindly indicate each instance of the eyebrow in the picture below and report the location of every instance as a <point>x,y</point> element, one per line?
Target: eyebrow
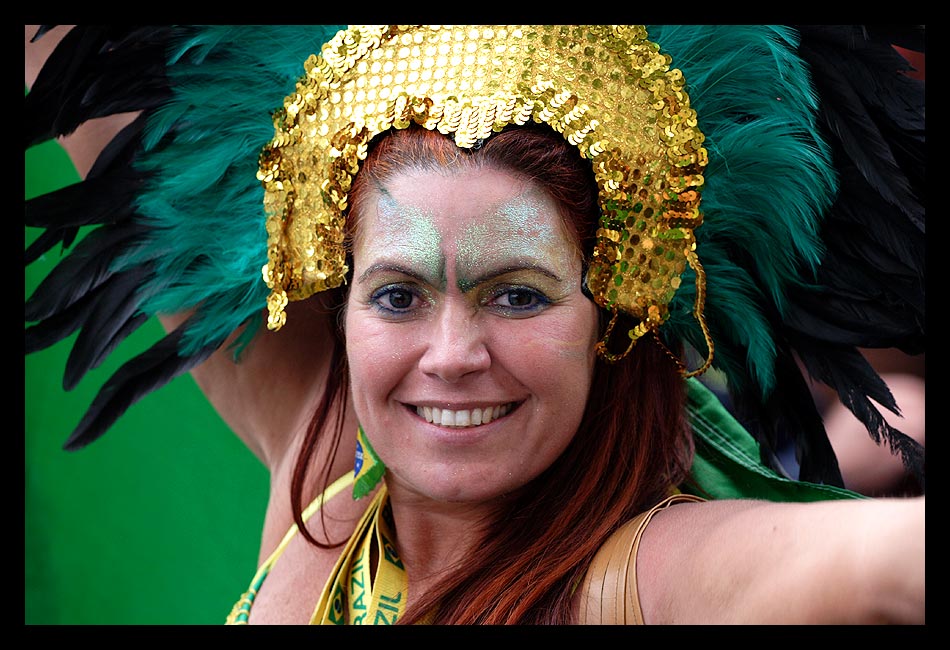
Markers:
<point>393,267</point>
<point>468,285</point>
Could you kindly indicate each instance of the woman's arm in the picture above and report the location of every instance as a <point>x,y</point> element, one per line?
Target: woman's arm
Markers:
<point>829,562</point>
<point>268,397</point>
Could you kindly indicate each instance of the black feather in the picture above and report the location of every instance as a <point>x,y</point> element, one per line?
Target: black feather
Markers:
<point>95,72</point>
<point>43,243</point>
<point>105,196</point>
<point>90,313</point>
<point>870,289</point>
<point>63,212</point>
<point>121,149</point>
<point>82,271</point>
<point>136,378</point>
<point>105,199</point>
<point>852,122</point>
<point>117,303</point>
<point>55,328</point>
<point>902,238</point>
<point>58,78</point>
<point>789,413</point>
<point>82,360</point>
<point>869,108</point>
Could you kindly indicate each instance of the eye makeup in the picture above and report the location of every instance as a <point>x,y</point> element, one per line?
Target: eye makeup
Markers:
<point>511,245</point>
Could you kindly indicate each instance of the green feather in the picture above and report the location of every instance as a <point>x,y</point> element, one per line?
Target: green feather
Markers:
<point>751,92</point>
<point>202,150</point>
<point>760,231</point>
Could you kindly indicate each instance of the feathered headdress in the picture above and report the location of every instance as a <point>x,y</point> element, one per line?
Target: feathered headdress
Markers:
<point>812,237</point>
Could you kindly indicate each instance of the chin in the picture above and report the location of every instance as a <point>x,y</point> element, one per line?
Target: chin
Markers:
<point>464,484</point>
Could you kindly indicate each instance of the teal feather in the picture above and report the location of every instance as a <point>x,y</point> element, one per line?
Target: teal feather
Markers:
<point>772,288</point>
<point>206,137</point>
<point>759,237</point>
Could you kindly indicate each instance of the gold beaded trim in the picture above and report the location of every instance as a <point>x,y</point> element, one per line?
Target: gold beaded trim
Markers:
<point>607,89</point>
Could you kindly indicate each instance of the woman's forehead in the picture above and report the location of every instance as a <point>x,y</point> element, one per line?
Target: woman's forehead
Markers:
<point>432,206</point>
<point>461,190</point>
<point>463,226</point>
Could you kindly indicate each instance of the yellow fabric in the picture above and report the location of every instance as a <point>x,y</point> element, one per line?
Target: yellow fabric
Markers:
<point>370,600</point>
<point>242,608</point>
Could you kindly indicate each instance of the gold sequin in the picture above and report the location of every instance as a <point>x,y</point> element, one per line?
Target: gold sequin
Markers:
<point>607,89</point>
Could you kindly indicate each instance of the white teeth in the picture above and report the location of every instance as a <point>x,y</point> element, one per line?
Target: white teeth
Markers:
<point>466,418</point>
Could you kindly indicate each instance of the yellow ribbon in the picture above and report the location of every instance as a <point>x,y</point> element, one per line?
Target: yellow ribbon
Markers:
<point>352,594</point>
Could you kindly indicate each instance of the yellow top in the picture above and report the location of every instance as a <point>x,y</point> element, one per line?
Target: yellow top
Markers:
<point>242,608</point>
<point>609,585</point>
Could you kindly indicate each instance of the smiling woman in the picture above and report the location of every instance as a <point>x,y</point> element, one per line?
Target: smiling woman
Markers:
<point>490,263</point>
<point>490,319</point>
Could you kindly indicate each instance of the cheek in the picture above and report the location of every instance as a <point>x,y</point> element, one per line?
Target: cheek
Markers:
<point>555,355</point>
<point>377,353</point>
<point>562,339</point>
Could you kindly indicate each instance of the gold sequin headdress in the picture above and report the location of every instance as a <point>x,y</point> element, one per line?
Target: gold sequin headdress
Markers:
<point>607,89</point>
<point>812,237</point>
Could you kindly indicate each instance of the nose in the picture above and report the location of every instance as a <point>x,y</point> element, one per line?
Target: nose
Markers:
<point>456,345</point>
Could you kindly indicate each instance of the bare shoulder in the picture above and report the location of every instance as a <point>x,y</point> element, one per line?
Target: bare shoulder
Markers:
<point>745,561</point>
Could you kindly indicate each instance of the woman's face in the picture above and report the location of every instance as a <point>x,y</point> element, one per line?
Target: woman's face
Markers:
<point>470,343</point>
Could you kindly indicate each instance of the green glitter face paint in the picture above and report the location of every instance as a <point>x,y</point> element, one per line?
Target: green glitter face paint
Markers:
<point>514,232</point>
<point>493,237</point>
<point>409,233</point>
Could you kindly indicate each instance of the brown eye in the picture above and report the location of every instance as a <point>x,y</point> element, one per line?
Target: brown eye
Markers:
<point>519,298</point>
<point>399,299</point>
<point>519,301</point>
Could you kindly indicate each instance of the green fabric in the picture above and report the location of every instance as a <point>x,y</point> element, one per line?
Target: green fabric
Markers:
<point>727,465</point>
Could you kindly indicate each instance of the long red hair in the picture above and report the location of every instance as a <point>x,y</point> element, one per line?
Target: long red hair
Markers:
<point>632,446</point>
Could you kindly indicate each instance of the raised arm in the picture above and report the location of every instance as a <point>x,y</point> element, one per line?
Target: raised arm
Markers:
<point>268,397</point>
<point>84,145</point>
<point>830,562</point>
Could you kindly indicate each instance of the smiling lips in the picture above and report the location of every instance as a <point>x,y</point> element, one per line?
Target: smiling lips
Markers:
<point>463,418</point>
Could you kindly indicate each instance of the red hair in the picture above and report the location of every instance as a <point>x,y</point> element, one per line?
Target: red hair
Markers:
<point>633,443</point>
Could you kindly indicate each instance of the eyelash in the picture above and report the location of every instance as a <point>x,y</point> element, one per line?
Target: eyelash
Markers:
<point>376,299</point>
<point>539,300</point>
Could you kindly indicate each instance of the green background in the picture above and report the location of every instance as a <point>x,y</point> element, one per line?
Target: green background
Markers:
<point>157,522</point>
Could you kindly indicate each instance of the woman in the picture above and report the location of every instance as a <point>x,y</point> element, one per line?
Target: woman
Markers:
<point>471,348</point>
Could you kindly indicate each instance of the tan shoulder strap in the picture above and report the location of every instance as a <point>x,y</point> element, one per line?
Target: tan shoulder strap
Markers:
<point>608,593</point>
